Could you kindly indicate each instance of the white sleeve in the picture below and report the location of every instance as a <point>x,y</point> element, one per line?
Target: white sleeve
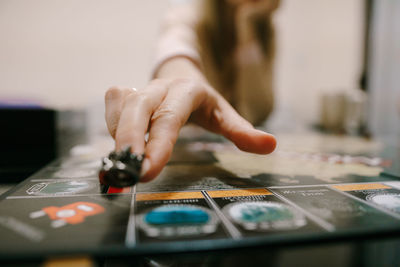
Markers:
<point>178,37</point>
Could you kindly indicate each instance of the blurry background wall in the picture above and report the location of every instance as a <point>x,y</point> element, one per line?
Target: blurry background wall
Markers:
<point>67,53</point>
<point>320,48</point>
<point>384,112</point>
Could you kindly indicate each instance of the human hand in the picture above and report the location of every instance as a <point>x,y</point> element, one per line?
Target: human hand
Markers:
<point>162,108</point>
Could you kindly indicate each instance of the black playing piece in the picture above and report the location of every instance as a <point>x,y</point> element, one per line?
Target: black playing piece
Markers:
<point>121,169</point>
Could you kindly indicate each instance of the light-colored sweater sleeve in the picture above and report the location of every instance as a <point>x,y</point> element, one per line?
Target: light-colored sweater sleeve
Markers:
<point>178,36</point>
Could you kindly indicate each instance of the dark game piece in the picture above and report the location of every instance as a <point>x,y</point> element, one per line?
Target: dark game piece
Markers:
<point>121,169</point>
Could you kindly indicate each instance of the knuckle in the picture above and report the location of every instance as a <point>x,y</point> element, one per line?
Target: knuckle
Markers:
<point>143,98</point>
<point>114,87</point>
<point>136,98</point>
<point>112,93</point>
<point>127,91</point>
<point>190,86</point>
<point>183,82</point>
<point>169,115</point>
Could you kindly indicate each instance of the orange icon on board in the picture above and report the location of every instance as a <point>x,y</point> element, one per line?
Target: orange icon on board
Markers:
<point>74,213</point>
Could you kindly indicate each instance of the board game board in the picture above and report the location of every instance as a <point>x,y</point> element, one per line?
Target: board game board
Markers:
<point>209,196</point>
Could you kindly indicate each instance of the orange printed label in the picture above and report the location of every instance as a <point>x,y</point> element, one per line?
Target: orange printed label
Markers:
<point>168,196</point>
<point>239,193</point>
<point>355,187</point>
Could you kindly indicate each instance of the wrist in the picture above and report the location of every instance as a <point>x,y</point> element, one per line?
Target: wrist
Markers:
<point>179,66</point>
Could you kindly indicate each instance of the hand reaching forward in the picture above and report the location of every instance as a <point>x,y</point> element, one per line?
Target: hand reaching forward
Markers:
<point>162,108</point>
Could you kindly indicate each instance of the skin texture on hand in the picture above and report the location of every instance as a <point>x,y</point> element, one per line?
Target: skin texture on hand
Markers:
<point>163,108</point>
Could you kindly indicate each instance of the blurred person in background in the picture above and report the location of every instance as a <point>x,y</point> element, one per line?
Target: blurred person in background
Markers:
<point>214,68</point>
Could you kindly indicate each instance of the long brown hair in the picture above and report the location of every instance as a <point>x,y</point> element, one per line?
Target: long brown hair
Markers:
<point>217,36</point>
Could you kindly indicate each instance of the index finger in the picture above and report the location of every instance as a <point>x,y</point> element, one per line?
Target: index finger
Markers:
<point>166,123</point>
<point>135,116</point>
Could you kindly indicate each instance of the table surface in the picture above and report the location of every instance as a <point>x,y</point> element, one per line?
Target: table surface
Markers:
<point>314,190</point>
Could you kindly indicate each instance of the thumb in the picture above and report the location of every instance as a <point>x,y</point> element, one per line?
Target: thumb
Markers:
<point>241,132</point>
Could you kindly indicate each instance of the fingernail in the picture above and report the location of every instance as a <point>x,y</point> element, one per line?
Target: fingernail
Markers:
<point>145,167</point>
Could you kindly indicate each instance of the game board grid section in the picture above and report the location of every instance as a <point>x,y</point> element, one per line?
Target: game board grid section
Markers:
<point>64,174</point>
<point>86,223</point>
<point>44,174</point>
<point>235,233</point>
<point>131,241</point>
<point>91,187</point>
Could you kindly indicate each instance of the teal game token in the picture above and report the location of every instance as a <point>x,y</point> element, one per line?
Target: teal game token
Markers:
<point>264,215</point>
<point>178,220</point>
<point>176,215</point>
